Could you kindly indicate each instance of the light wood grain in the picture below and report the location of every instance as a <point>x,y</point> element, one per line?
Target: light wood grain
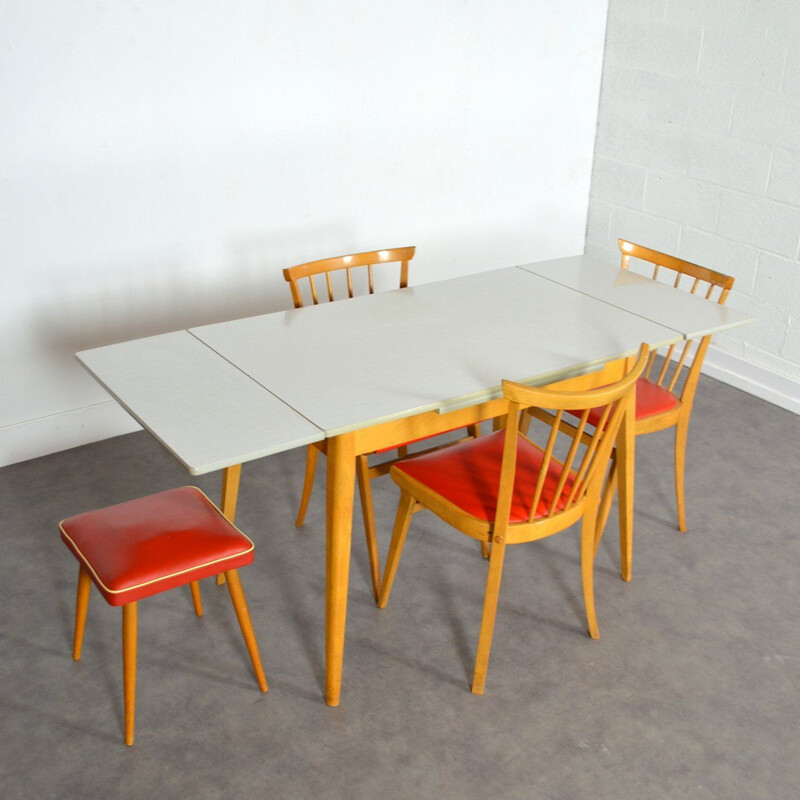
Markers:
<point>246,625</point>
<point>197,599</point>
<point>129,637</point>
<point>339,520</point>
<point>231,477</point>
<point>307,271</point>
<point>81,606</point>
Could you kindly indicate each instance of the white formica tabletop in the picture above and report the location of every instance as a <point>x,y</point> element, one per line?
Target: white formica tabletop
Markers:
<point>227,393</point>
<point>691,315</point>
<point>440,346</point>
<point>204,410</point>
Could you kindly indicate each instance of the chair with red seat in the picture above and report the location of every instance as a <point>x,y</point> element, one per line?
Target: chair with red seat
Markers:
<point>659,404</point>
<point>504,489</point>
<point>364,472</point>
<point>147,546</point>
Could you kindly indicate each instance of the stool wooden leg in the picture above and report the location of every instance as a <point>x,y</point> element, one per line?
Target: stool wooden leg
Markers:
<point>243,615</point>
<point>230,496</point>
<point>196,598</point>
<point>129,667</point>
<point>81,604</point>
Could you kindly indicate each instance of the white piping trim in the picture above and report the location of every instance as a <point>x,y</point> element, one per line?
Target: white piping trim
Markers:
<point>86,563</point>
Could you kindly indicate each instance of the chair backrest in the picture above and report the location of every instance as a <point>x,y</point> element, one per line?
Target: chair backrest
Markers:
<point>328,265</point>
<point>712,285</point>
<point>579,475</point>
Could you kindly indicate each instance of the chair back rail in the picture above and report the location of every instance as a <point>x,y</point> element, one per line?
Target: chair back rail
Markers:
<point>588,470</point>
<point>707,280</point>
<point>327,266</point>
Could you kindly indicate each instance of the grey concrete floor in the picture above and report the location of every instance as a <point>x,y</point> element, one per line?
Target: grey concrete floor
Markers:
<point>691,691</point>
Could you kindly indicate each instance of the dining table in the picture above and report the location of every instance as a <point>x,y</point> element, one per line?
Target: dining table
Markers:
<point>377,371</point>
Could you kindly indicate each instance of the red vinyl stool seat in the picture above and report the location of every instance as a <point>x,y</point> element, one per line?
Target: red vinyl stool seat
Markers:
<point>146,546</point>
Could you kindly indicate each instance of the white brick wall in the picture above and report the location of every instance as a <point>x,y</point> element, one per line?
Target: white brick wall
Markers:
<point>698,153</point>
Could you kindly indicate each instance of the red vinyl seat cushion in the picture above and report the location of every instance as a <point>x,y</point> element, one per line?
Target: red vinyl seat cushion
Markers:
<point>146,546</point>
<point>650,399</point>
<point>468,475</point>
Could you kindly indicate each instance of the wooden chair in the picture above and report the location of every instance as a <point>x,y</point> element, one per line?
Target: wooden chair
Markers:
<point>146,546</point>
<point>364,472</point>
<point>663,401</point>
<point>504,489</point>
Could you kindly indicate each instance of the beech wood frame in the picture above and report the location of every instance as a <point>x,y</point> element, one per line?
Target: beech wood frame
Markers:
<point>687,366</point>
<point>581,497</point>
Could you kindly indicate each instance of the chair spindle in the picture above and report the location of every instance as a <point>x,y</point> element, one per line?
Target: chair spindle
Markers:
<point>330,286</point>
<point>548,452</point>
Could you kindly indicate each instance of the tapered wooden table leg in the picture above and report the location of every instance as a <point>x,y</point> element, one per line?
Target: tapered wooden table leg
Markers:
<point>230,495</point>
<point>339,523</point>
<point>625,464</point>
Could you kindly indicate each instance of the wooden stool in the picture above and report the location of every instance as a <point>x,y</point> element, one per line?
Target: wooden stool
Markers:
<point>146,546</point>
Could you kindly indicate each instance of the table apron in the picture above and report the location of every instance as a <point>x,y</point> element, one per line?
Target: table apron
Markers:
<point>430,423</point>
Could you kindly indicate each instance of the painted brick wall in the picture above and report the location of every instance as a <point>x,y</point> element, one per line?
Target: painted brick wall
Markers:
<point>698,154</point>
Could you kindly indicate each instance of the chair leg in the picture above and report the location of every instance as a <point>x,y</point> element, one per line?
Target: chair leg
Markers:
<point>681,435</point>
<point>588,528</point>
<point>368,512</point>
<point>405,510</point>
<point>609,491</point>
<point>196,598</point>
<point>485,549</point>
<point>245,623</point>
<point>81,604</point>
<point>129,667</point>
<point>489,614</point>
<point>231,476</point>
<point>624,452</point>
<point>312,455</point>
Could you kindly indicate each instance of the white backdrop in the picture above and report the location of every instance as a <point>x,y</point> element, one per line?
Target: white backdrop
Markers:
<point>161,161</point>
